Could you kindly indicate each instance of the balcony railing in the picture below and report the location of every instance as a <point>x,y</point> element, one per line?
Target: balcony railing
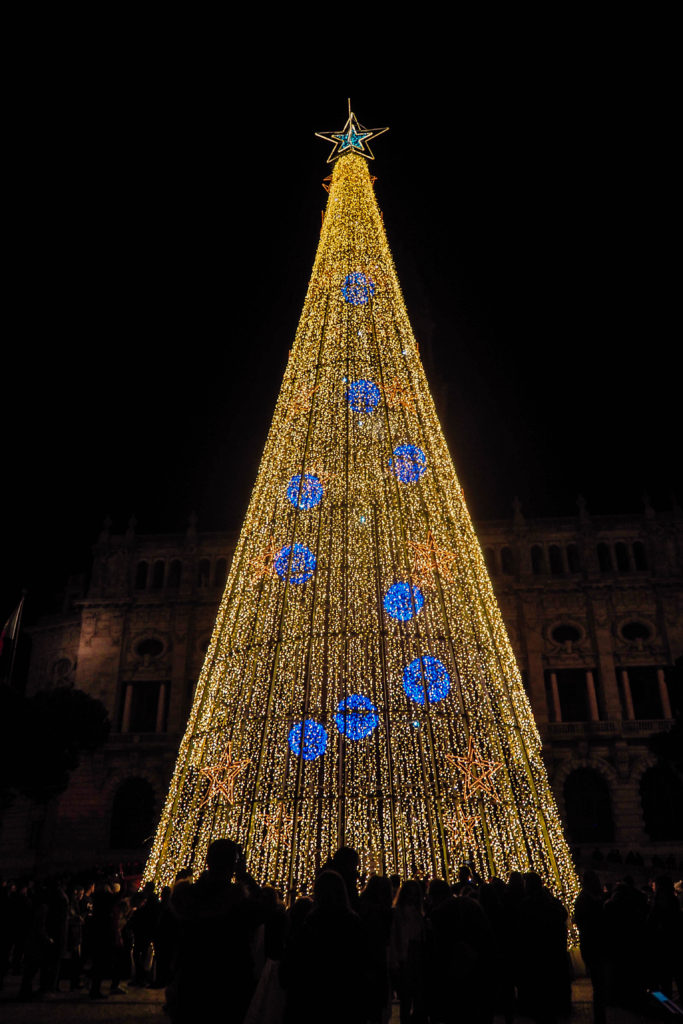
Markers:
<point>610,726</point>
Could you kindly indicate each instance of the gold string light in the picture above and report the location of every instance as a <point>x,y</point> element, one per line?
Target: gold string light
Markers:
<point>311,675</point>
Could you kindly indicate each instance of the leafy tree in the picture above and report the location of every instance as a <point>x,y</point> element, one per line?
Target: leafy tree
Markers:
<point>42,738</point>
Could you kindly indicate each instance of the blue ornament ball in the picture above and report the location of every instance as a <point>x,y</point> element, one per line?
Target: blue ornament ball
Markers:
<point>403,600</point>
<point>426,675</point>
<point>356,717</point>
<point>305,491</point>
<point>308,738</point>
<point>358,289</point>
<point>409,463</point>
<point>363,395</point>
<point>295,564</point>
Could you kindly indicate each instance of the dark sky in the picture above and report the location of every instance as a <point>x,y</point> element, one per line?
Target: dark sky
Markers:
<point>166,229</point>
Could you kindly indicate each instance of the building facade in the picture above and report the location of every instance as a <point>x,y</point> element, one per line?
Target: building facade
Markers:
<point>593,606</point>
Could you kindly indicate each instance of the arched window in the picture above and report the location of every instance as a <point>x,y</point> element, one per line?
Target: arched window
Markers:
<point>537,560</point>
<point>564,633</point>
<point>588,807</point>
<point>203,572</point>
<point>507,561</point>
<point>132,816</point>
<point>661,794</point>
<point>141,576</point>
<point>640,556</point>
<point>634,631</point>
<point>604,557</point>
<point>491,561</point>
<point>573,558</point>
<point>149,648</point>
<point>158,575</point>
<point>556,566</point>
<point>219,572</point>
<point>621,552</point>
<point>174,573</point>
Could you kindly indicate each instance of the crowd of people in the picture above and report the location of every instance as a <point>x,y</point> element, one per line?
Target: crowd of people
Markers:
<point>226,949</point>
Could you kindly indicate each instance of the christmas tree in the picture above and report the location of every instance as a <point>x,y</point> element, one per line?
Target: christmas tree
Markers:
<point>360,687</point>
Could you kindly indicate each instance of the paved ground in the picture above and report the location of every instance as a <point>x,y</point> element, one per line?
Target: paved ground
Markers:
<point>146,1005</point>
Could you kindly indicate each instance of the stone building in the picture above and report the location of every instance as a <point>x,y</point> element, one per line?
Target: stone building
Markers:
<point>593,605</point>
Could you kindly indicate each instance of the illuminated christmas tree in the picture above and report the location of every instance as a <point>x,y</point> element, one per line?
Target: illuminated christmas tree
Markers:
<point>360,687</point>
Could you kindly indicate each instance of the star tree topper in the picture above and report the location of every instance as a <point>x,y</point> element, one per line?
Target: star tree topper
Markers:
<point>353,138</point>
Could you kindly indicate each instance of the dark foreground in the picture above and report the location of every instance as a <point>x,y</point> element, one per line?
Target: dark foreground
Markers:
<point>145,1004</point>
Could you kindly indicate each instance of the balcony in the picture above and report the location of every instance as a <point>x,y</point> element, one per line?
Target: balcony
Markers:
<point>609,727</point>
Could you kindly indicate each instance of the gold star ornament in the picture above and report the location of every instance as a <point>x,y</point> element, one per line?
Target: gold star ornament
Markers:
<point>458,825</point>
<point>398,396</point>
<point>278,825</point>
<point>353,138</point>
<point>222,777</point>
<point>300,403</point>
<point>477,771</point>
<point>427,557</point>
<point>264,564</point>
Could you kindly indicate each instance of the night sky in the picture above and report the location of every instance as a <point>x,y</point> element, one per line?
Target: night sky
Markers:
<point>166,233</point>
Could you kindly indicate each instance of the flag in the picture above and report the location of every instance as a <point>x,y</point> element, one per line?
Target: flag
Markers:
<point>10,630</point>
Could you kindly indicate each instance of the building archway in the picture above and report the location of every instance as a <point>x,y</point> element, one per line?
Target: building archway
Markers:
<point>661,795</point>
<point>588,807</point>
<point>133,814</point>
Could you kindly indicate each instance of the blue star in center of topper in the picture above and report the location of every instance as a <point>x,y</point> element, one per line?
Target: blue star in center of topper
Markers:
<point>353,138</point>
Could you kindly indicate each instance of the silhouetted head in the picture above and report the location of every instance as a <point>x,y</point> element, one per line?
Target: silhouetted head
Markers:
<point>299,912</point>
<point>533,886</point>
<point>221,857</point>
<point>410,895</point>
<point>664,888</point>
<point>345,862</point>
<point>591,882</point>
<point>378,892</point>
<point>329,891</point>
<point>439,891</point>
<point>464,874</point>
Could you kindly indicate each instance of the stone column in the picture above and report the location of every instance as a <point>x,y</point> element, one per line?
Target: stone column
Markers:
<point>127,704</point>
<point>628,700</point>
<point>664,694</point>
<point>592,697</point>
<point>161,707</point>
<point>602,621</point>
<point>555,695</point>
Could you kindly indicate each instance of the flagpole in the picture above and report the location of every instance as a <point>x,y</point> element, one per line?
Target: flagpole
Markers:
<point>15,638</point>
